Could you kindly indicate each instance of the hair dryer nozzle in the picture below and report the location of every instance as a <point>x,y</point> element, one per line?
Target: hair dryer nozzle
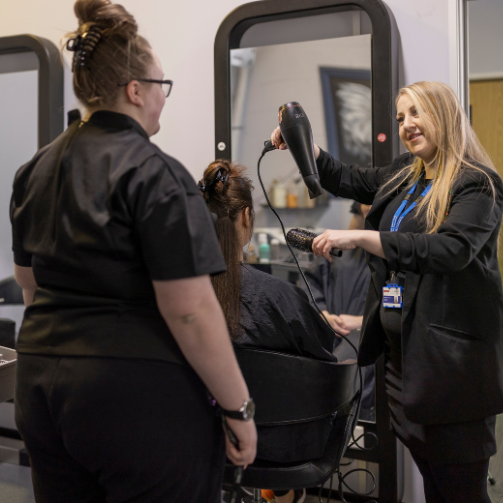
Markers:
<point>312,183</point>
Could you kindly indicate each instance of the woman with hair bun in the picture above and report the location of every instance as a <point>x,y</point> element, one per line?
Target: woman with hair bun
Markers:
<point>123,338</point>
<point>435,302</point>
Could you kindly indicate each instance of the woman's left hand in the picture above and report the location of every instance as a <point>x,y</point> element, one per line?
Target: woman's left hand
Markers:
<point>347,240</point>
<point>343,240</point>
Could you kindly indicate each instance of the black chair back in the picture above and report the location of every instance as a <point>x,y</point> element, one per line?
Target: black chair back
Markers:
<point>289,388</point>
<point>290,391</point>
<point>10,292</point>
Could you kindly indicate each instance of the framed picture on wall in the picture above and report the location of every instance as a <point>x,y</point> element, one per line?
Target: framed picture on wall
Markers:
<point>347,100</point>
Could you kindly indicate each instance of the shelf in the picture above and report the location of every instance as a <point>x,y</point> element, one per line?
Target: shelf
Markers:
<point>318,207</point>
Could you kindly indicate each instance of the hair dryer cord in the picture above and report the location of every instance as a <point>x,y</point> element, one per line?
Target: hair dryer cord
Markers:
<point>268,149</point>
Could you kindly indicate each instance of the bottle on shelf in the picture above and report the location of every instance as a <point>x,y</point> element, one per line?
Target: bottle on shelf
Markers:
<point>274,249</point>
<point>251,256</point>
<point>278,194</point>
<point>291,197</point>
<point>272,189</point>
<point>301,193</point>
<point>309,203</point>
<point>264,250</point>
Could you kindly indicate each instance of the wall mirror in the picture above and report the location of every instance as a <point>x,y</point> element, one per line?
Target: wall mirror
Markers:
<point>31,100</point>
<point>338,59</point>
<point>320,54</point>
<point>330,78</point>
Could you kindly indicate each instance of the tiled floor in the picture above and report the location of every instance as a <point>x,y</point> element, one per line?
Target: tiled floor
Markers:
<point>15,481</point>
<point>15,484</point>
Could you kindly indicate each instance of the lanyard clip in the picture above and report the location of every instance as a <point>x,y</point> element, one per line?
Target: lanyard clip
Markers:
<point>393,277</point>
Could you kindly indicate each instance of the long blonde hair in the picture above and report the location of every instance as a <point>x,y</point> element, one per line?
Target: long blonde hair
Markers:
<point>448,127</point>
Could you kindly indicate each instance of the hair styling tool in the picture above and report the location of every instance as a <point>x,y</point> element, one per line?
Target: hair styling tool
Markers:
<point>83,45</point>
<point>296,131</point>
<point>303,241</point>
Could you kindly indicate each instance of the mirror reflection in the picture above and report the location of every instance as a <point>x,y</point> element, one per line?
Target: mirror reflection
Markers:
<point>18,143</point>
<point>331,80</point>
<point>326,67</point>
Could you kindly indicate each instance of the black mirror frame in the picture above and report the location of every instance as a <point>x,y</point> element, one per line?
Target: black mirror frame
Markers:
<point>384,65</point>
<point>50,82</point>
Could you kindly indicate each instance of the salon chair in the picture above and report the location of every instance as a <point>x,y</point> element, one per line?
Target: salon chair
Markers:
<point>10,294</point>
<point>291,392</point>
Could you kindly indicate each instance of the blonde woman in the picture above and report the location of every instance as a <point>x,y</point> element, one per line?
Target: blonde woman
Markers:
<point>435,302</point>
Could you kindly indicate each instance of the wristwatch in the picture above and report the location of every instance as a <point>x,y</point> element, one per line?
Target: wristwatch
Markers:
<point>245,413</point>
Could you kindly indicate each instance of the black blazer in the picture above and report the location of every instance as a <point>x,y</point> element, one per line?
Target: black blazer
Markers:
<point>452,317</point>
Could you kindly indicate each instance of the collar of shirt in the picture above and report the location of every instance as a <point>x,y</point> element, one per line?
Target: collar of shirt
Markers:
<point>116,120</point>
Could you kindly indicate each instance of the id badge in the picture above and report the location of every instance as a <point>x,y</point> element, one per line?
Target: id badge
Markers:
<point>392,296</point>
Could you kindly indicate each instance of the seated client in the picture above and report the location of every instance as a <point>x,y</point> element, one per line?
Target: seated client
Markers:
<point>261,310</point>
<point>266,312</point>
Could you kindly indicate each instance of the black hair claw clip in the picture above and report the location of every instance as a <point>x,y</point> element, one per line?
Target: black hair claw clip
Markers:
<point>220,178</point>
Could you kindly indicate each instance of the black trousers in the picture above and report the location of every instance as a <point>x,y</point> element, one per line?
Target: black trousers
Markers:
<point>107,430</point>
<point>454,483</point>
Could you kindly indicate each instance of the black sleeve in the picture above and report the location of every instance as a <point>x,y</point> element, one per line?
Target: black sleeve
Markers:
<point>21,257</point>
<point>176,233</point>
<point>277,315</point>
<point>355,182</point>
<point>473,217</point>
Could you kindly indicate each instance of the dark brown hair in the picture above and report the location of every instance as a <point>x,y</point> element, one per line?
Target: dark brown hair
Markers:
<point>228,192</point>
<point>119,56</point>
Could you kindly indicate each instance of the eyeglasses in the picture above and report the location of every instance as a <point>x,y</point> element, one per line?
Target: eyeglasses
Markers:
<point>165,84</point>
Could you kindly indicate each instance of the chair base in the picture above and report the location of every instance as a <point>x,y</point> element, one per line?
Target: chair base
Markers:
<point>256,498</point>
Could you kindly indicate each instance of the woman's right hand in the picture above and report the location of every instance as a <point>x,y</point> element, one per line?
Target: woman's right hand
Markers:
<point>246,433</point>
<point>278,141</point>
<point>336,322</point>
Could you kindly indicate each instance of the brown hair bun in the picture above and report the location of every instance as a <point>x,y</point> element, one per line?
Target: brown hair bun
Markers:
<point>108,52</point>
<point>107,15</point>
<point>229,189</point>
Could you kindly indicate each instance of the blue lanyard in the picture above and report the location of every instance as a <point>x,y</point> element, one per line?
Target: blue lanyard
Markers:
<point>400,213</point>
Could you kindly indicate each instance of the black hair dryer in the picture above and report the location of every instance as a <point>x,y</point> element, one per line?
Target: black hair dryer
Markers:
<point>296,131</point>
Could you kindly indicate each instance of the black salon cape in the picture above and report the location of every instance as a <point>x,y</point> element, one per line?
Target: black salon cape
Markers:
<point>276,315</point>
<point>99,214</point>
<point>452,316</point>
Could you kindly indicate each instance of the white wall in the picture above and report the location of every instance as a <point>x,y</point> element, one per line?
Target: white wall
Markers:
<point>183,34</point>
<point>485,18</point>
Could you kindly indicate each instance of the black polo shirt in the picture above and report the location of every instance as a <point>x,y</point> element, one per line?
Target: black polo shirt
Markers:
<point>100,213</point>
